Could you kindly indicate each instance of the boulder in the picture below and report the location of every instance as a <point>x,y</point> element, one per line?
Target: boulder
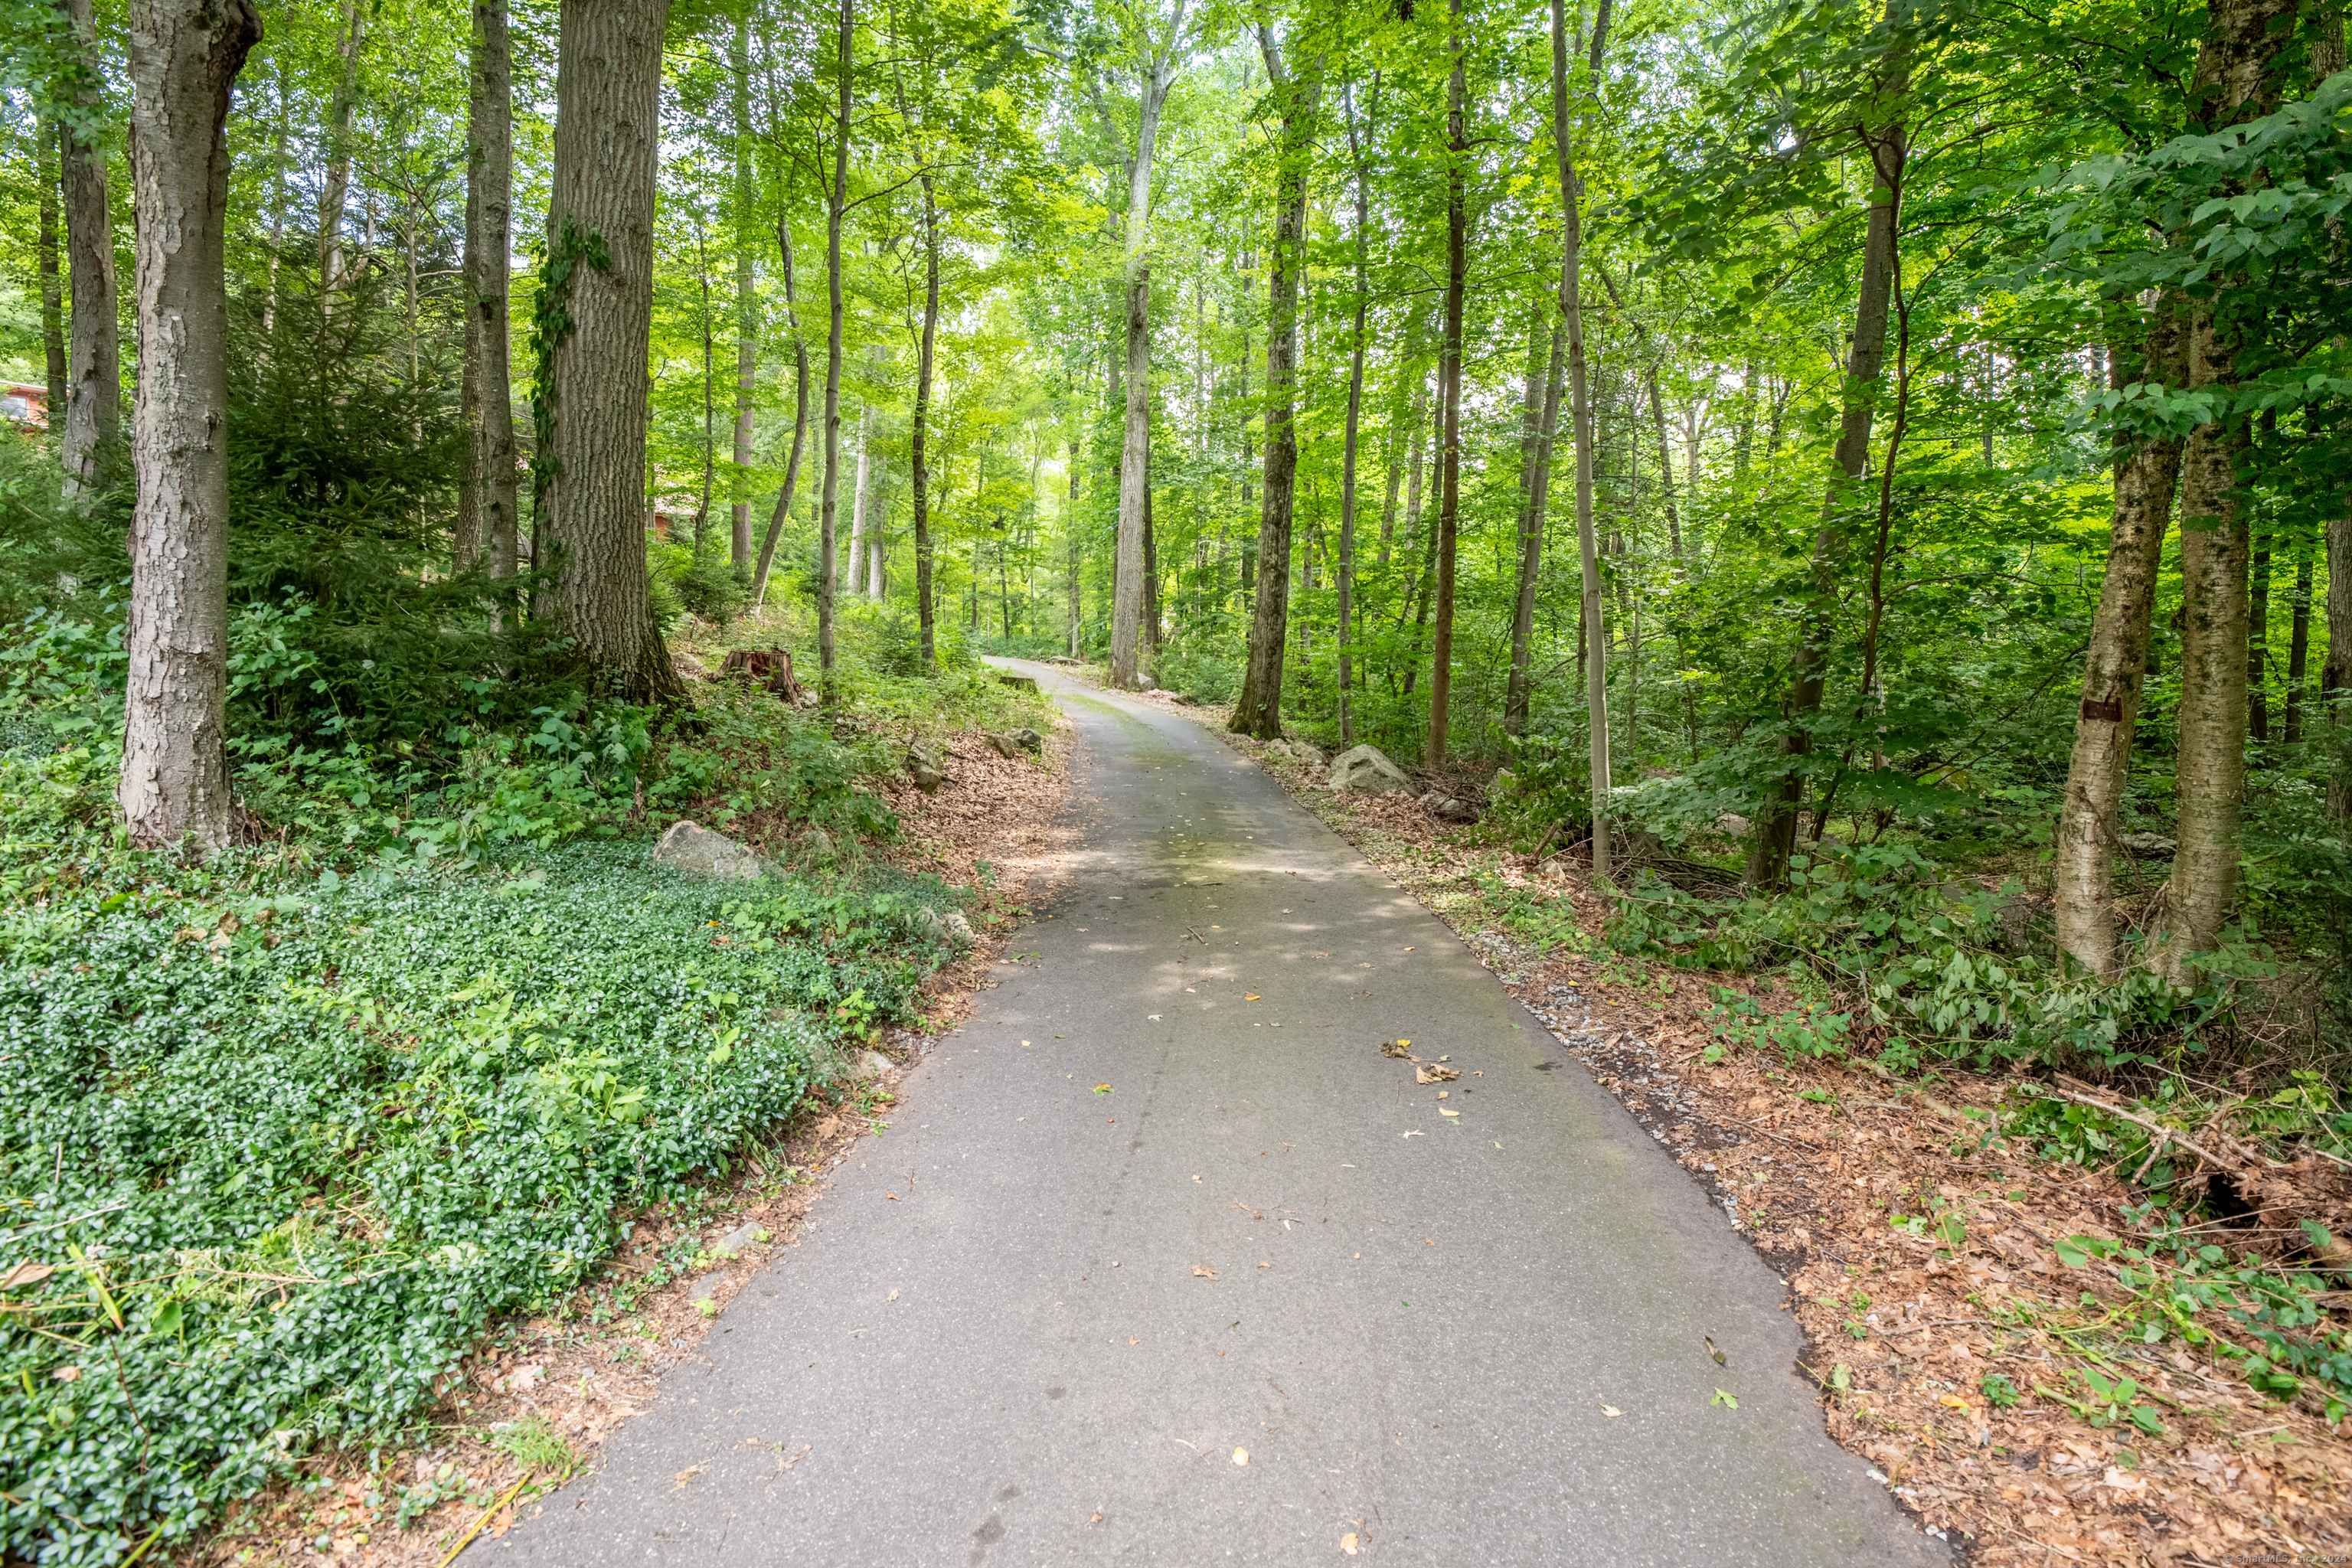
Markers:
<point>873,1066</point>
<point>692,847</point>
<point>926,764</point>
<point>949,930</point>
<point>1298,751</point>
<point>1005,746</point>
<point>1449,808</point>
<point>1029,740</point>
<point>1024,682</point>
<point>1366,769</point>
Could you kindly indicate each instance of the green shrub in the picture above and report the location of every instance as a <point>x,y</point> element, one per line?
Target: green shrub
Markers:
<point>287,1149</point>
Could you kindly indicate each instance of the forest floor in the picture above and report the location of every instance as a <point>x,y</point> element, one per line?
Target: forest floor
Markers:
<point>1968,1375</point>
<point>526,1411</point>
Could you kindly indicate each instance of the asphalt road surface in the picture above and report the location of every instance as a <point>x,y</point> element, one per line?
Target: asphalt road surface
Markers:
<point>1181,1270</point>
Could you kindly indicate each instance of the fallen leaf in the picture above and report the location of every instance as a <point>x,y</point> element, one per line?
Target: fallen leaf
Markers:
<point>786,1461</point>
<point>1447,1111</point>
<point>1202,1271</point>
<point>1416,1132</point>
<point>1024,1042</point>
<point>1954,1400</point>
<point>27,1273</point>
<point>1713,1351</point>
<point>1729,1401</point>
<point>677,1481</point>
<point>1094,1518</point>
<point>892,1197</point>
<point>1430,1072</point>
<point>67,1374</point>
<point>1251,996</point>
<point>1395,1049</point>
<point>1347,1543</point>
<point>894,1295</point>
<point>1611,1411</point>
<point>1241,1456</point>
<point>1265,1266</point>
<point>1135,1341</point>
<point>1102,1089</point>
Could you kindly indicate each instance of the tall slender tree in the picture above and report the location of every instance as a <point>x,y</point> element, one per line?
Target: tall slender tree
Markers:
<point>1258,710</point>
<point>837,204</point>
<point>92,425</point>
<point>184,59</point>
<point>487,513</point>
<point>1449,389</point>
<point>747,302</point>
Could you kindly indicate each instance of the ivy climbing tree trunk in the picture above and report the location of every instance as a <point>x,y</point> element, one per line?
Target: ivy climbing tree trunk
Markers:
<point>600,218</point>
<point>184,59</point>
<point>486,511</point>
<point>2147,469</point>
<point>1258,710</point>
<point>92,425</point>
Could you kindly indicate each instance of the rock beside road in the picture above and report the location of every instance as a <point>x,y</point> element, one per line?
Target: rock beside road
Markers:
<point>1366,769</point>
<point>691,847</point>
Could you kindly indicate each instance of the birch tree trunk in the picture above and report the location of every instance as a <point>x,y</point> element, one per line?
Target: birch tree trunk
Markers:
<point>608,131</point>
<point>1449,392</point>
<point>1594,644</point>
<point>184,59</point>
<point>859,487</point>
<point>487,513</point>
<point>2237,79</point>
<point>2146,473</point>
<point>1258,710</point>
<point>93,406</point>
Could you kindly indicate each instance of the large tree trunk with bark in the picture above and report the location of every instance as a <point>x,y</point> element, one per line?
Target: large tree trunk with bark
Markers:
<point>488,510</point>
<point>1888,146</point>
<point>1356,345</point>
<point>2146,472</point>
<point>800,416</point>
<point>1449,392</point>
<point>184,59</point>
<point>607,134</point>
<point>2237,79</point>
<point>1258,710</point>
<point>93,409</point>
<point>2335,673</point>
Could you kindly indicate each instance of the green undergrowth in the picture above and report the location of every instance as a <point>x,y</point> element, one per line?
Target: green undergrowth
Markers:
<point>275,1145</point>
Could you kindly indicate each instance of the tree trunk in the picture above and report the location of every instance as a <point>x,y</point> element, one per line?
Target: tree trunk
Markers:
<point>2336,674</point>
<point>1888,146</point>
<point>1070,533</point>
<point>1520,695</point>
<point>709,401</point>
<point>1449,392</point>
<point>746,303</point>
<point>1665,464</point>
<point>487,510</point>
<point>184,59</point>
<point>608,131</point>
<point>1347,566</point>
<point>2146,473</point>
<point>921,433</point>
<point>836,201</point>
<point>2298,641</point>
<point>2236,79</point>
<point>93,405</point>
<point>800,416</point>
<point>53,334</point>
<point>1592,641</point>
<point>1135,449</point>
<point>1401,444</point>
<point>1150,584</point>
<point>335,189</point>
<point>1258,710</point>
<point>2257,652</point>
